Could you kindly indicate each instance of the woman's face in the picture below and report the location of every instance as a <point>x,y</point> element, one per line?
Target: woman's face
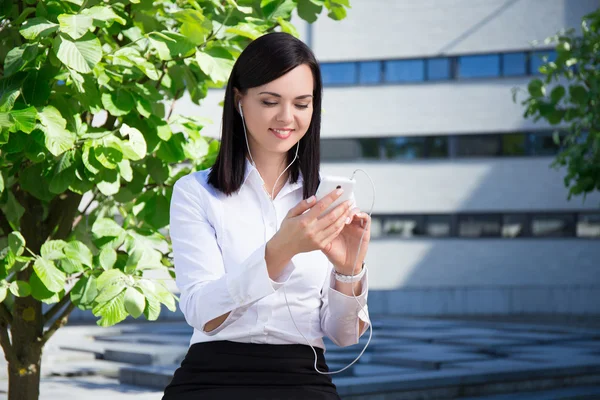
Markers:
<point>278,113</point>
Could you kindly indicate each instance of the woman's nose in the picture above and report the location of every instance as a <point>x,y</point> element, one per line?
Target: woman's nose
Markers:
<point>285,114</point>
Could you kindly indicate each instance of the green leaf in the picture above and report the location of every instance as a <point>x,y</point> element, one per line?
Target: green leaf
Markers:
<point>36,87</point>
<point>75,25</point>
<point>103,15</point>
<point>3,292</point>
<point>79,252</point>
<point>13,209</point>
<point>125,170</point>
<point>172,151</point>
<point>110,154</point>
<point>119,102</point>
<point>53,249</point>
<point>287,27</point>
<point>110,277</point>
<point>112,312</point>
<point>336,8</point>
<point>158,170</point>
<point>58,139</point>
<point>135,148</point>
<point>39,291</point>
<point>165,297</point>
<point>52,278</point>
<point>81,55</point>
<point>37,27</point>
<point>579,94</point>
<point>64,172</point>
<point>107,257</point>
<point>152,310</point>
<point>308,10</point>
<point>16,242</point>
<point>84,292</point>
<point>106,227</point>
<point>135,302</point>
<point>20,288</point>
<point>169,45</point>
<point>195,26</point>
<point>33,180</point>
<point>111,290</point>
<point>14,61</point>
<point>217,68</point>
<point>557,93</point>
<point>248,30</point>
<point>24,119</point>
<point>70,266</point>
<point>536,88</point>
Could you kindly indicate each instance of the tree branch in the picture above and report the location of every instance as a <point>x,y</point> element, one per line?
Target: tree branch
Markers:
<point>164,71</point>
<point>4,224</point>
<point>173,103</point>
<point>58,323</point>
<point>65,225</point>
<point>56,308</point>
<point>5,315</point>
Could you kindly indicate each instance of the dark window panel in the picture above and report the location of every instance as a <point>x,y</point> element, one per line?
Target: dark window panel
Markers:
<point>438,225</point>
<point>515,225</point>
<point>537,60</point>
<point>349,149</point>
<point>436,147</point>
<point>553,225</point>
<point>405,226</point>
<point>438,69</point>
<point>480,66</point>
<point>542,143</point>
<point>588,225</point>
<point>479,225</point>
<point>514,144</point>
<point>514,64</point>
<point>339,73</point>
<point>369,72</point>
<point>405,71</point>
<point>477,146</point>
<point>376,226</point>
<point>407,148</point>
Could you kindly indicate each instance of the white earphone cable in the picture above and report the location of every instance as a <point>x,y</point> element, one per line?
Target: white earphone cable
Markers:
<point>355,259</point>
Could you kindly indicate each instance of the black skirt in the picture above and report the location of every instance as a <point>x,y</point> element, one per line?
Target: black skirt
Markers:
<point>231,370</point>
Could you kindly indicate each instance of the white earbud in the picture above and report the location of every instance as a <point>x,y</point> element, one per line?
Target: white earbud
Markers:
<point>240,108</point>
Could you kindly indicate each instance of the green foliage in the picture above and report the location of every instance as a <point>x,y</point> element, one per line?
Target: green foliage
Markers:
<point>86,94</point>
<point>568,95</point>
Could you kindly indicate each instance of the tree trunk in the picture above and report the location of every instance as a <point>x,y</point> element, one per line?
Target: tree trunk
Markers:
<point>26,332</point>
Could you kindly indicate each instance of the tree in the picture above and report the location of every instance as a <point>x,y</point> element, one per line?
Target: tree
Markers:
<point>569,95</point>
<point>86,107</point>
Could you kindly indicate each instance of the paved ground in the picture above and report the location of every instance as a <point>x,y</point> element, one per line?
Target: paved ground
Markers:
<point>434,357</point>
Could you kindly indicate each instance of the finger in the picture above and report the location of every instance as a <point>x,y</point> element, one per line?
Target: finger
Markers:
<point>331,217</point>
<point>330,238</point>
<point>325,202</point>
<point>354,211</point>
<point>301,207</point>
<point>337,225</point>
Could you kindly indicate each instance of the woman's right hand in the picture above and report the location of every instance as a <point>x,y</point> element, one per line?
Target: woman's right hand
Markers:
<point>303,231</point>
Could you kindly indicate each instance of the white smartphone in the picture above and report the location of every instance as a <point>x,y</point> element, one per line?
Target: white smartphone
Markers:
<point>329,184</point>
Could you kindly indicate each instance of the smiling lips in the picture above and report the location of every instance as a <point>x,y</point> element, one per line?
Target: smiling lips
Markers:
<point>282,133</point>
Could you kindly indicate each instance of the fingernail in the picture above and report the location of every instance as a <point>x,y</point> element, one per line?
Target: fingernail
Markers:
<point>310,199</point>
<point>347,220</point>
<point>339,191</point>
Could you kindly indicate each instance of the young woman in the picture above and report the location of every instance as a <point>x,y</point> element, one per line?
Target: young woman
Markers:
<point>250,249</point>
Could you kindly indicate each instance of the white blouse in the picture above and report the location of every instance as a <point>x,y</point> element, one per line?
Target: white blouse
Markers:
<point>219,253</point>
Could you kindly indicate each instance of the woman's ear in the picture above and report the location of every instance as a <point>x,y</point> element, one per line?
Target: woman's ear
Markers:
<point>237,97</point>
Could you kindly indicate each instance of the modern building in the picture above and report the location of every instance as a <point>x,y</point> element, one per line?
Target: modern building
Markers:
<point>469,217</point>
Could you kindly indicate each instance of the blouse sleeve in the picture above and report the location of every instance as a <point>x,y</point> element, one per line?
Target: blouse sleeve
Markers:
<point>340,313</point>
<point>207,290</point>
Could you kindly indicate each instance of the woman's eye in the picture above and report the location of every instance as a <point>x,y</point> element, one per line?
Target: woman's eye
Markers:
<point>269,104</point>
<point>303,106</point>
<point>266,103</point>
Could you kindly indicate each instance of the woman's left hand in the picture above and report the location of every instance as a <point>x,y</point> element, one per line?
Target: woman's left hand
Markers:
<point>342,250</point>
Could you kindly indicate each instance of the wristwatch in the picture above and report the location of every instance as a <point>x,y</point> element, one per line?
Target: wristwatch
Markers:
<point>350,278</point>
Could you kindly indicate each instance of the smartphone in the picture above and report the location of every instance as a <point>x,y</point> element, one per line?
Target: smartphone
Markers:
<point>329,184</point>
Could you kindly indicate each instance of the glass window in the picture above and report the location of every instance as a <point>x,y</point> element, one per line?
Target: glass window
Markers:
<point>514,225</point>
<point>437,225</point>
<point>477,145</point>
<point>369,72</point>
<point>539,58</point>
<point>549,225</point>
<point>338,73</point>
<point>403,226</point>
<point>436,146</point>
<point>514,64</point>
<point>514,144</point>
<point>405,71</point>
<point>542,143</point>
<point>438,69</point>
<point>349,149</point>
<point>479,225</point>
<point>407,148</point>
<point>481,66</point>
<point>588,225</point>
<point>376,226</point>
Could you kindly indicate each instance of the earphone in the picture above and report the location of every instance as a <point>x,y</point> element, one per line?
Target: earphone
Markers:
<point>355,259</point>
